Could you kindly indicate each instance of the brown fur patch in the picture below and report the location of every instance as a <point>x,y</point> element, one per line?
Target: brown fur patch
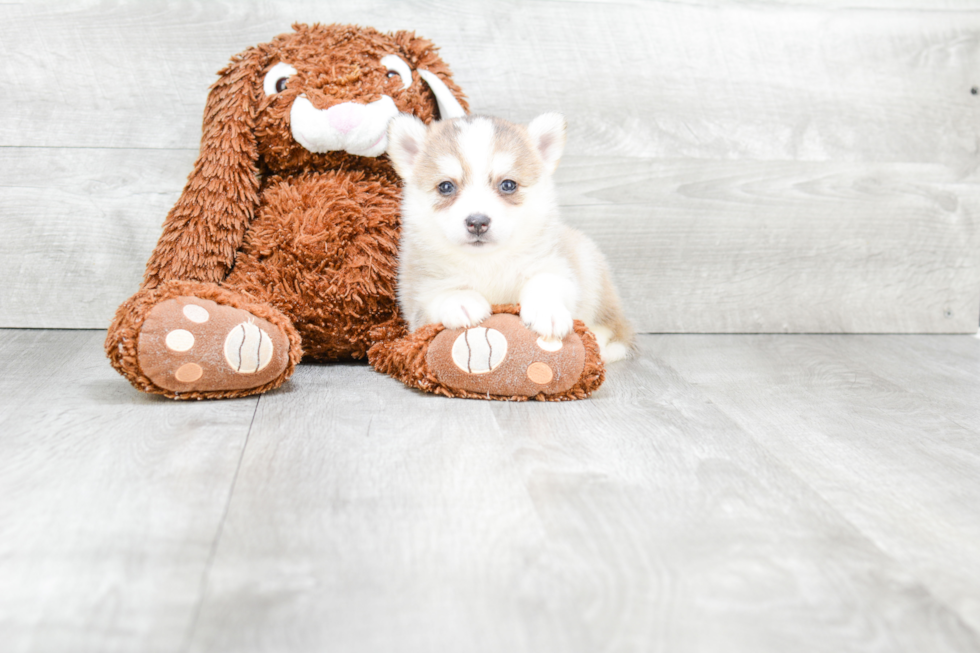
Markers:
<point>441,140</point>
<point>611,314</point>
<point>336,64</point>
<point>514,139</point>
<point>307,241</point>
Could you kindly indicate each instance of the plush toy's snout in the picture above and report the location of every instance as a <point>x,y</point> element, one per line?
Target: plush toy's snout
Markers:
<point>322,124</point>
<point>359,129</point>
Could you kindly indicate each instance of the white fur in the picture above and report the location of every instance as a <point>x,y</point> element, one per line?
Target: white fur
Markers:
<point>502,163</point>
<point>361,129</point>
<point>450,166</point>
<point>547,131</point>
<point>405,137</point>
<point>527,256</point>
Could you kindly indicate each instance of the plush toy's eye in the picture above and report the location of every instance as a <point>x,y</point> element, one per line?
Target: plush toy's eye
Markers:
<point>395,65</point>
<point>275,80</point>
<point>508,186</point>
<point>447,188</point>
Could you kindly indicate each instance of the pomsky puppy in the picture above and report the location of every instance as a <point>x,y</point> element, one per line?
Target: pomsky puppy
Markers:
<point>480,226</point>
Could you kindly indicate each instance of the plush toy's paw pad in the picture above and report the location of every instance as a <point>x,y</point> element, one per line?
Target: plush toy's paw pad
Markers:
<point>189,344</point>
<point>248,349</point>
<point>479,350</point>
<point>502,357</point>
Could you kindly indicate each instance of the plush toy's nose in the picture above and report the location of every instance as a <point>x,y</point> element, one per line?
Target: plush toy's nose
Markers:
<point>345,117</point>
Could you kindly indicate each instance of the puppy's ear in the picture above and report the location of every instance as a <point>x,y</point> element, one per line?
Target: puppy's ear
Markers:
<point>406,134</point>
<point>206,226</point>
<point>547,132</point>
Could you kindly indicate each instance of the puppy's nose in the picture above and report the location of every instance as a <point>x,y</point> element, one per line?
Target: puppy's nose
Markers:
<point>477,224</point>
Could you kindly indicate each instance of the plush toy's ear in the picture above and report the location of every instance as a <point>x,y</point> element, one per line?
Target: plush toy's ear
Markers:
<point>406,135</point>
<point>205,228</point>
<point>449,106</point>
<point>548,134</point>
<point>423,55</point>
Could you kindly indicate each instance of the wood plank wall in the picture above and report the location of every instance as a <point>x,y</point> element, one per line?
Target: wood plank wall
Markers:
<point>783,166</point>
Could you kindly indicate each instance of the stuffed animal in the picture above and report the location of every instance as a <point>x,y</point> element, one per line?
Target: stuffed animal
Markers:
<point>284,241</point>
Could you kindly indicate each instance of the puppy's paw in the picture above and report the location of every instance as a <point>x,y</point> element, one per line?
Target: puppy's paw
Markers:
<point>550,320</point>
<point>464,309</point>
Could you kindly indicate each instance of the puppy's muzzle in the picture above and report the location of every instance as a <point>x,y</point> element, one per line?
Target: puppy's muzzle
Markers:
<point>477,224</point>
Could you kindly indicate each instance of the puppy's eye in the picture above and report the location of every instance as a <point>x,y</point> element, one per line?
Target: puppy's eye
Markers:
<point>508,186</point>
<point>392,73</point>
<point>447,188</point>
<point>275,80</point>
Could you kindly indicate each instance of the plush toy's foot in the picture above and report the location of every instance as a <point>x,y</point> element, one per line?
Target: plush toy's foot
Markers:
<point>502,357</point>
<point>197,340</point>
<point>188,344</point>
<point>499,359</point>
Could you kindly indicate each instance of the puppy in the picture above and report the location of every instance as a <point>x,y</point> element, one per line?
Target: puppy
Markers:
<point>480,226</point>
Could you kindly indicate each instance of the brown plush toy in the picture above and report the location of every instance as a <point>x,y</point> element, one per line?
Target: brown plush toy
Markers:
<point>284,242</point>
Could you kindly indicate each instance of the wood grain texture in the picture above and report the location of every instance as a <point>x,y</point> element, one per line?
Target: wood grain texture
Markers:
<point>78,228</point>
<point>705,504</point>
<point>110,500</point>
<point>884,429</point>
<point>737,493</point>
<point>776,166</point>
<point>368,517</point>
<point>783,246</point>
<point>696,246</point>
<point>659,79</point>
<point>883,5</point>
<point>390,520</point>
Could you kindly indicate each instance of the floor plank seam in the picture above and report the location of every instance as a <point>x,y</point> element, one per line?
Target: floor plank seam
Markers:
<point>873,542</point>
<point>219,531</point>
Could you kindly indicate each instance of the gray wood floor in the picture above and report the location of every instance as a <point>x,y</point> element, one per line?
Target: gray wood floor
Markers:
<point>719,493</point>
